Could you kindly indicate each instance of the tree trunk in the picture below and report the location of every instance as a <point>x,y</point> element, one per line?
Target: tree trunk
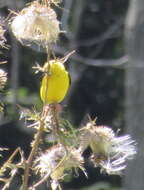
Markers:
<point>134,84</point>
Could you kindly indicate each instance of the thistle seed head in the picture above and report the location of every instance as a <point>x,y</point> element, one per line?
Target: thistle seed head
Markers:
<point>109,151</point>
<point>36,23</point>
<point>57,160</point>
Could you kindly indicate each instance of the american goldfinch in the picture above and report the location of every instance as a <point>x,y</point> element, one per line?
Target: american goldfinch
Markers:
<point>55,82</point>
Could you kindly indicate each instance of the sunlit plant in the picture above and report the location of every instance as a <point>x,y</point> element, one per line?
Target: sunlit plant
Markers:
<point>37,23</point>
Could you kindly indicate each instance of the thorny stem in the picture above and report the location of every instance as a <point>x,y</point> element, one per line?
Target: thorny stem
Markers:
<point>40,182</point>
<point>32,153</point>
<point>14,171</point>
<point>55,118</point>
<point>56,124</point>
<point>8,182</point>
<point>13,155</point>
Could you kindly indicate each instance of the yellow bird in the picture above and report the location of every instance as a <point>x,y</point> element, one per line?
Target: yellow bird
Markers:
<point>55,82</point>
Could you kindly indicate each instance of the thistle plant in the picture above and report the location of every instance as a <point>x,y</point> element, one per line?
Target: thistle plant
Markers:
<point>37,23</point>
<point>2,31</point>
<point>3,74</point>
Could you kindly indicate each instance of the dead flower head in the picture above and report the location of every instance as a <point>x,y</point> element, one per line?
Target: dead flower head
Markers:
<point>36,23</point>
<point>55,2</point>
<point>3,78</point>
<point>110,152</point>
<point>2,31</point>
<point>57,160</point>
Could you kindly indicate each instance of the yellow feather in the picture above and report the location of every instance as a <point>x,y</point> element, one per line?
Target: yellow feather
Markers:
<point>55,83</point>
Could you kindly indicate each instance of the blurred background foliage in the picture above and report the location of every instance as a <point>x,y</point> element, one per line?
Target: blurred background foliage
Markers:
<point>94,28</point>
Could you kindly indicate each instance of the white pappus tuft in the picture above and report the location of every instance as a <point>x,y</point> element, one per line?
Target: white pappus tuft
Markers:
<point>36,23</point>
<point>110,152</point>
